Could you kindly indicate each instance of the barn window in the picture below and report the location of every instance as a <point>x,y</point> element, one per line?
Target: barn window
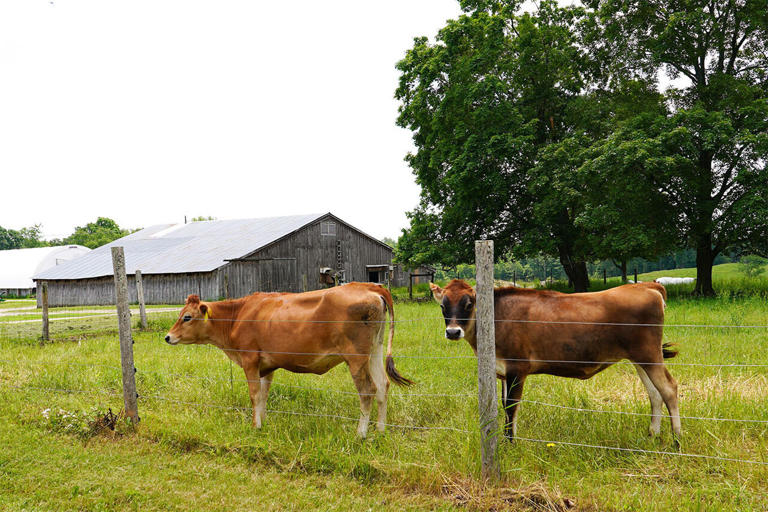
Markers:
<point>328,228</point>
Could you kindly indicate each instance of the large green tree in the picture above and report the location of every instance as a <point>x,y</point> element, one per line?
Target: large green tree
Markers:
<point>547,131</point>
<point>706,152</point>
<point>96,234</point>
<point>504,110</point>
<point>481,102</point>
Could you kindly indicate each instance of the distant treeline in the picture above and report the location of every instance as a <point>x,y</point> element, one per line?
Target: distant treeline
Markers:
<point>542,267</point>
<point>92,235</point>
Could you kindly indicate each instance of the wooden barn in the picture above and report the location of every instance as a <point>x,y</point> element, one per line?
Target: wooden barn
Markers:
<point>226,259</point>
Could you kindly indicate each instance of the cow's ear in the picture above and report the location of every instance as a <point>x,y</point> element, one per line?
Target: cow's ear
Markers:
<point>204,310</point>
<point>437,292</point>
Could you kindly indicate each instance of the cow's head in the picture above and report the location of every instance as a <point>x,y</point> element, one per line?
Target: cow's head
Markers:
<point>192,325</point>
<point>457,300</point>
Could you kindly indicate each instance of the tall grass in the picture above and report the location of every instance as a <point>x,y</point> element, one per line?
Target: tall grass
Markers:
<point>190,405</point>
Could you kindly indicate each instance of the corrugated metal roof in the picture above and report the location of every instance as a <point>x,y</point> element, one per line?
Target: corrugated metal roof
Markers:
<point>180,248</point>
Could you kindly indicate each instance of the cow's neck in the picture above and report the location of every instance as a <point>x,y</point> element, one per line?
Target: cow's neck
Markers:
<point>223,314</point>
<point>471,336</point>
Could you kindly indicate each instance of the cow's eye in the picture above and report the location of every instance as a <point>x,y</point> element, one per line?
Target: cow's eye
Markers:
<point>187,318</point>
<point>468,306</point>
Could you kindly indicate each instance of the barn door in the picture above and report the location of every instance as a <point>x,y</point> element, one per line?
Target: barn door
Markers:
<point>278,275</point>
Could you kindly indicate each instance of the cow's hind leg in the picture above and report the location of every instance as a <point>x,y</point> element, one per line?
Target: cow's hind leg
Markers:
<point>359,367</point>
<point>380,380</point>
<point>254,390</point>
<point>656,401</point>
<point>667,387</point>
<point>514,384</point>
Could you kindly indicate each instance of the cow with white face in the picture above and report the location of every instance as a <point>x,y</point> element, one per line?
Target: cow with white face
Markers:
<point>570,335</point>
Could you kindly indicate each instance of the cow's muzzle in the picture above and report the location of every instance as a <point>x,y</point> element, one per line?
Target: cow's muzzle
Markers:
<point>169,340</point>
<point>454,333</point>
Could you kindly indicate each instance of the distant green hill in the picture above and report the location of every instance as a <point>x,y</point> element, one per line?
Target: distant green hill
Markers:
<point>719,272</point>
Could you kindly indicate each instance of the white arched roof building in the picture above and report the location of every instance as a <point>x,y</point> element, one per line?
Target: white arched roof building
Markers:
<point>17,266</point>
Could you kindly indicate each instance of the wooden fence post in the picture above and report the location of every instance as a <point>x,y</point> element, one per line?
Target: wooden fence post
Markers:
<point>635,274</point>
<point>486,359</point>
<point>126,340</point>
<point>605,277</point>
<point>140,297</point>
<point>44,295</point>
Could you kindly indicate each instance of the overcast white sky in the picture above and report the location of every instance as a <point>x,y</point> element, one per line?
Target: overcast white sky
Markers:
<point>146,111</point>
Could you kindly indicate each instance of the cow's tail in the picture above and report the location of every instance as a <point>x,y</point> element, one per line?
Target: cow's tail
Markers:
<point>394,375</point>
<point>668,351</point>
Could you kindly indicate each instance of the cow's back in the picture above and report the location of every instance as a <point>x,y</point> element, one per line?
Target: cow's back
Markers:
<point>305,331</point>
<point>599,326</point>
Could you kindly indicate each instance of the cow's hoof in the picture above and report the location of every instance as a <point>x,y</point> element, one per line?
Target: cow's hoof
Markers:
<point>676,444</point>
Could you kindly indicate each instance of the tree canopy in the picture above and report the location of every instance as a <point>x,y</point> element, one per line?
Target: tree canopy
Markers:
<point>550,133</point>
<point>23,238</point>
<point>96,234</point>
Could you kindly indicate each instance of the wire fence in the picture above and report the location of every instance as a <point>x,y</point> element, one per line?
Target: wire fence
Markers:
<point>403,394</point>
<point>549,443</point>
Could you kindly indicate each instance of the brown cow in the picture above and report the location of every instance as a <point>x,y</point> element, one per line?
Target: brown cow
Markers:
<point>301,332</point>
<point>541,331</point>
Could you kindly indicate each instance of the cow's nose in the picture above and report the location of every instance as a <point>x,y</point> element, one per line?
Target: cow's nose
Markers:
<point>167,338</point>
<point>453,333</point>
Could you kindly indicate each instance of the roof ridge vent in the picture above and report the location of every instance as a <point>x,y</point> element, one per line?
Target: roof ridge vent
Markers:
<point>169,229</point>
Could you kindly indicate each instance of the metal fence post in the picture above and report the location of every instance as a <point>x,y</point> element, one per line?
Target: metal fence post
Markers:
<point>140,298</point>
<point>486,359</point>
<point>126,340</point>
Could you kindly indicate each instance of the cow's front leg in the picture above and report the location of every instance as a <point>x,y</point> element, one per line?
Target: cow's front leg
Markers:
<point>514,384</point>
<point>254,390</point>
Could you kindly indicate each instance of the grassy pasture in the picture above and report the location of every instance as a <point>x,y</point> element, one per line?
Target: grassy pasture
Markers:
<point>195,450</point>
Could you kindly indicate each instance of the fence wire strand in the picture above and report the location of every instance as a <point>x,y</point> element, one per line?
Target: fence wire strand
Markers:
<point>497,320</point>
<point>465,431</point>
<point>522,360</point>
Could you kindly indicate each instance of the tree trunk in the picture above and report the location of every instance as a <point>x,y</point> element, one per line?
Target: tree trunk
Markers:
<point>622,266</point>
<point>581,277</point>
<point>575,270</point>
<point>705,257</point>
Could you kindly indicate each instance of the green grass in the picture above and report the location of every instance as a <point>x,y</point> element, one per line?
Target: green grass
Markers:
<point>195,450</point>
<point>16,303</point>
<point>723,272</point>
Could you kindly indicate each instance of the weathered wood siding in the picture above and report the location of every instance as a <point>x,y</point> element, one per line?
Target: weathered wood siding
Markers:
<point>288,264</point>
<point>158,289</point>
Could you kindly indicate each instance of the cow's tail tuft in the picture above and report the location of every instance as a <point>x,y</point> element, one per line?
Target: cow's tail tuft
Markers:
<point>394,375</point>
<point>667,351</point>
